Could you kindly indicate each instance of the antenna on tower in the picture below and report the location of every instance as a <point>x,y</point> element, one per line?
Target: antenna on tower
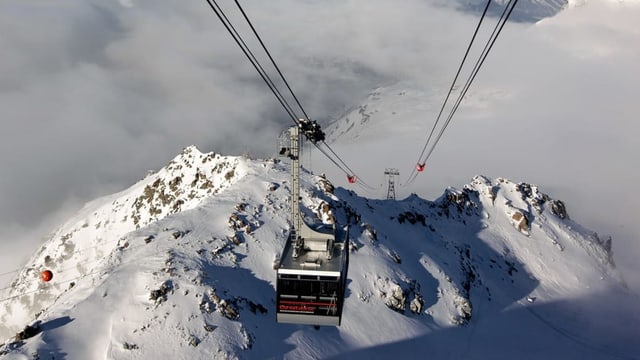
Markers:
<point>391,190</point>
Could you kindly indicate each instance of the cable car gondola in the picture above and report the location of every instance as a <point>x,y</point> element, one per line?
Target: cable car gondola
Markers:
<point>312,278</point>
<point>312,270</point>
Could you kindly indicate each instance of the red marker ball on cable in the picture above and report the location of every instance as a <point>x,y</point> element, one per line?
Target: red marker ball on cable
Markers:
<point>46,276</point>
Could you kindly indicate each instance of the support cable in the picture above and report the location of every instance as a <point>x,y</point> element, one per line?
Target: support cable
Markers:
<point>453,83</point>
<point>256,64</point>
<point>347,167</point>
<point>476,68</point>
<point>487,48</point>
<point>272,60</point>
<point>284,80</point>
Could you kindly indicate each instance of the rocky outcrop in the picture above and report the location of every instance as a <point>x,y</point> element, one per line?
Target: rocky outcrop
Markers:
<point>520,221</point>
<point>325,213</point>
<point>558,209</point>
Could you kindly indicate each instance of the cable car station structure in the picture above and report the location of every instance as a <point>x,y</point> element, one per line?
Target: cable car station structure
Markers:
<point>312,270</point>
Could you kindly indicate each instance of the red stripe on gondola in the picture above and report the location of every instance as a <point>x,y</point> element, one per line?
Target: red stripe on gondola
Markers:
<point>307,303</point>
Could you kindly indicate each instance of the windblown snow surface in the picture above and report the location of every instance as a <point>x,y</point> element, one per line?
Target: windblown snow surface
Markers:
<point>181,266</point>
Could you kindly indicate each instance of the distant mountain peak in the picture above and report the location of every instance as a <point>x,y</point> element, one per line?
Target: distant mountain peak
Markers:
<point>181,263</point>
<point>525,11</point>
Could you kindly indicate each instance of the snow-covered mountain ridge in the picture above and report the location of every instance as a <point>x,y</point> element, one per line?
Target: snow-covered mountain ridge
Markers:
<point>528,11</point>
<point>525,11</point>
<point>180,265</point>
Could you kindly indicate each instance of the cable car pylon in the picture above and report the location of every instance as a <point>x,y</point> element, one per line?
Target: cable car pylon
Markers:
<point>312,270</point>
<point>391,189</point>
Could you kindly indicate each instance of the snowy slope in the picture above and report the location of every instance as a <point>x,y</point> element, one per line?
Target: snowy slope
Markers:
<point>180,266</point>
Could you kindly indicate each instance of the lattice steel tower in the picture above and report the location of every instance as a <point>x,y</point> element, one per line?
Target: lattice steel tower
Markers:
<point>391,190</point>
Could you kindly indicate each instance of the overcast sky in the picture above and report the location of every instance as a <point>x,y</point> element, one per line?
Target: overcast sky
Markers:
<point>95,93</point>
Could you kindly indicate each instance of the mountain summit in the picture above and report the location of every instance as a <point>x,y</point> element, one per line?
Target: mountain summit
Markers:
<point>180,266</point>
